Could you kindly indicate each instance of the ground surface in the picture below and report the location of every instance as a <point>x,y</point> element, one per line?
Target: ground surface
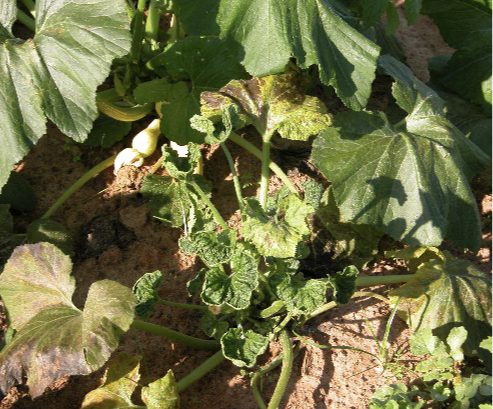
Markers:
<point>118,239</point>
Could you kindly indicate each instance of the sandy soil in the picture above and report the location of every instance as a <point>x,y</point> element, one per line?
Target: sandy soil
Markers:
<point>118,239</point>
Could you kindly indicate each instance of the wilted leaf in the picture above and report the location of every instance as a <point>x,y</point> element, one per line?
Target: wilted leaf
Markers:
<point>213,248</point>
<point>273,103</point>
<point>121,379</point>
<point>212,327</point>
<point>446,294</point>
<point>243,348</point>
<point>53,337</point>
<point>344,284</point>
<point>145,292</point>
<point>55,74</point>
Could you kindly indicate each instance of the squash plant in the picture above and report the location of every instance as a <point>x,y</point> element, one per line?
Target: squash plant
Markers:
<point>213,72</point>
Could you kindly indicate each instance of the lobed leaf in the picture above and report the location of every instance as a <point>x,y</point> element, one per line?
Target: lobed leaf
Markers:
<point>54,75</point>
<point>53,337</point>
<point>243,347</point>
<point>145,293</point>
<point>466,26</point>
<point>265,34</point>
<point>445,294</point>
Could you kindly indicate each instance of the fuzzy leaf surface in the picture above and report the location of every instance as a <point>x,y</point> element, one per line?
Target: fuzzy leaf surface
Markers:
<point>54,75</point>
<point>446,294</point>
<point>466,26</point>
<point>272,103</point>
<point>412,181</point>
<point>265,34</point>
<point>53,337</point>
<point>208,65</point>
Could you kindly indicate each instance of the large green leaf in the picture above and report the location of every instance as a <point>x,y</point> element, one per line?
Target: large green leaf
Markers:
<point>208,65</point>
<point>54,338</point>
<point>466,26</point>
<point>265,34</point>
<point>55,74</point>
<point>444,294</point>
<point>408,180</point>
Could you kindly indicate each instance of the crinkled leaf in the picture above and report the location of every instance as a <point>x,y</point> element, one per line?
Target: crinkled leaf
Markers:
<point>395,396</point>
<point>55,74</point>
<point>231,119</point>
<point>162,394</point>
<point>234,289</point>
<point>243,348</point>
<point>107,131</point>
<point>280,236</point>
<point>53,337</point>
<point>208,65</point>
<point>181,167</point>
<point>212,327</point>
<point>313,193</point>
<point>446,294</point>
<point>50,231</point>
<point>213,248</point>
<point>344,284</point>
<point>466,26</point>
<point>121,379</point>
<point>348,241</point>
<point>412,182</point>
<point>272,103</point>
<point>301,296</point>
<point>145,293</point>
<point>266,34</point>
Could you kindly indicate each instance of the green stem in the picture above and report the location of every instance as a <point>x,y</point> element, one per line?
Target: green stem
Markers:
<point>264,177</point>
<point>256,378</point>
<point>204,368</point>
<point>182,305</point>
<point>287,366</point>
<point>152,23</point>
<point>137,35</point>
<point>78,184</point>
<point>176,336</point>
<point>213,208</point>
<point>26,20</point>
<point>236,180</point>
<point>258,153</point>
<point>31,7</point>
<point>141,5</point>
<point>382,280</point>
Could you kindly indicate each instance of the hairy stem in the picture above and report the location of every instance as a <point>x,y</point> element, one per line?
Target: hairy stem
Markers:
<point>236,180</point>
<point>257,377</point>
<point>78,184</point>
<point>264,177</point>
<point>204,368</point>
<point>215,213</point>
<point>258,153</point>
<point>176,336</point>
<point>287,366</point>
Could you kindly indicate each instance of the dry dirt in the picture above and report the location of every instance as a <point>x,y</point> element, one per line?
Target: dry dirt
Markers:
<point>119,240</point>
